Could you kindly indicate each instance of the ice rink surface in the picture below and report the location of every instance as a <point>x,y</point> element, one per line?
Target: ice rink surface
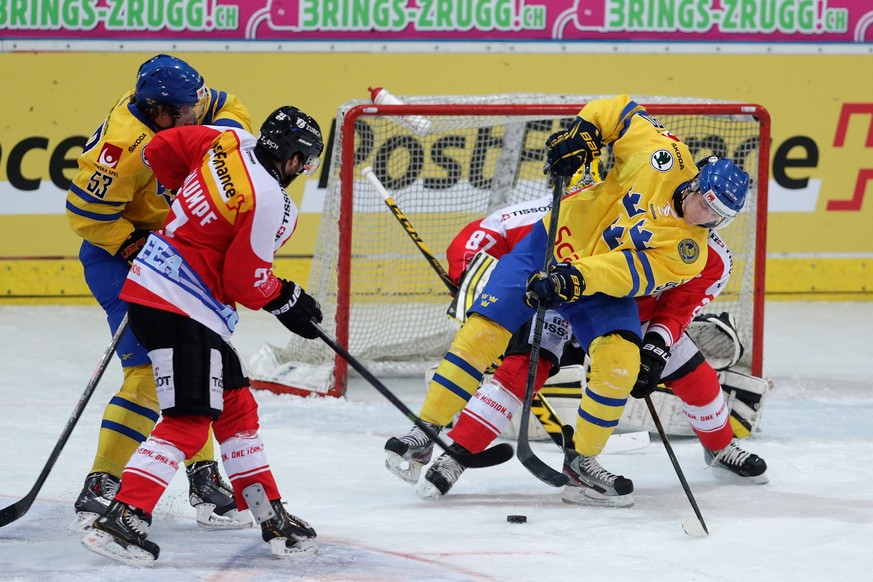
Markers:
<point>812,522</point>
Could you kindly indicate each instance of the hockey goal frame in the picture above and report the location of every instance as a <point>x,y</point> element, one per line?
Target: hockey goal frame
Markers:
<point>558,110</point>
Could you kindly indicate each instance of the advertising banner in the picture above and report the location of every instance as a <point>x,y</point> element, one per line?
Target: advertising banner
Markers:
<point>721,21</point>
<point>821,174</point>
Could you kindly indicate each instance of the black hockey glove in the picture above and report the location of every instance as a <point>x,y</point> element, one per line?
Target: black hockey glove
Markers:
<point>133,245</point>
<point>566,151</point>
<point>563,284</point>
<point>296,310</point>
<point>653,357</point>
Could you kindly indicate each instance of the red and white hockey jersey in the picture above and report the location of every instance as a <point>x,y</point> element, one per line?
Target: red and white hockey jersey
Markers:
<point>668,312</point>
<point>228,219</point>
<point>495,234</point>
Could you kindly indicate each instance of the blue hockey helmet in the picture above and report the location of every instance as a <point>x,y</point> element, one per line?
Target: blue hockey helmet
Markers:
<point>724,187</point>
<point>165,79</point>
<point>288,131</point>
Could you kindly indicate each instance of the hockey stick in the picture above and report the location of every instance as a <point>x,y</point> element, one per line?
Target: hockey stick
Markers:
<point>410,230</point>
<point>551,416</point>
<point>556,429</point>
<point>19,508</point>
<point>693,529</point>
<point>494,456</point>
<point>525,454</point>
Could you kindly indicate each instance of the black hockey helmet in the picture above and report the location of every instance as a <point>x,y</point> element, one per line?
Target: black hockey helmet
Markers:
<point>288,131</point>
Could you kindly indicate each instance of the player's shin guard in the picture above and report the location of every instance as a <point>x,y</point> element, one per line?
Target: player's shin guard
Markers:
<point>704,406</point>
<point>495,404</point>
<point>149,472</point>
<point>615,363</point>
<point>485,416</point>
<point>246,463</point>
<point>710,422</point>
<point>127,421</point>
<point>476,345</point>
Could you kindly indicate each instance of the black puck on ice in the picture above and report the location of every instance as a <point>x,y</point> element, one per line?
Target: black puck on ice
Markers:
<point>516,518</point>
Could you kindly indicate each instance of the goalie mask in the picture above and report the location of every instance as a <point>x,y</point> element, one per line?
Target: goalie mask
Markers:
<point>288,132</point>
<point>724,187</point>
<point>171,83</point>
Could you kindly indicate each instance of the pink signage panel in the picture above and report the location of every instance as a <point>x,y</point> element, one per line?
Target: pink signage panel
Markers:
<point>717,21</point>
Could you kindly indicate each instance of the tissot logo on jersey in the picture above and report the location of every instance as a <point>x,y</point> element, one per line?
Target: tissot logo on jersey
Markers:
<point>522,211</point>
<point>109,155</point>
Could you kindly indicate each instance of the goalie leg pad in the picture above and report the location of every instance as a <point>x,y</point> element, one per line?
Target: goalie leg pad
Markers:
<point>471,285</point>
<point>746,395</point>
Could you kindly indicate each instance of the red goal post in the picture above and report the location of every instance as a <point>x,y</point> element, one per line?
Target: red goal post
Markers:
<point>447,161</point>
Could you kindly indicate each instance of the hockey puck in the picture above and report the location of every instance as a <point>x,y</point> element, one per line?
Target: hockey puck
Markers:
<point>516,518</point>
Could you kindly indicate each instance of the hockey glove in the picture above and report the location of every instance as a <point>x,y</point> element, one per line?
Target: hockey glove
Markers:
<point>563,284</point>
<point>566,151</point>
<point>133,245</point>
<point>653,357</point>
<point>296,310</point>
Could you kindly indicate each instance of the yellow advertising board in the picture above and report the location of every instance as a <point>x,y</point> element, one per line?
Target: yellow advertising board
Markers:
<point>821,105</point>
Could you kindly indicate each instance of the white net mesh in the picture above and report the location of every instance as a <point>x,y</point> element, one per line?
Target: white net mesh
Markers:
<point>465,167</point>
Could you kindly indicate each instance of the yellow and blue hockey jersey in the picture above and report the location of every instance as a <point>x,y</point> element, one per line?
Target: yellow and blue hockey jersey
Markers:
<point>623,234</point>
<point>115,192</point>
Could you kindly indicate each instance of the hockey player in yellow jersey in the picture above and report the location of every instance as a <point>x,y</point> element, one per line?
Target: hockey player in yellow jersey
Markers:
<point>643,229</point>
<point>113,203</point>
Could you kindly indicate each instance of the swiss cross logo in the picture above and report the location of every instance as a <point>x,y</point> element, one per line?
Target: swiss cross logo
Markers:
<point>109,155</point>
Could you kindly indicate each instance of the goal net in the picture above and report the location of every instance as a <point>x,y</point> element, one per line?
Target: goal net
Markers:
<point>446,161</point>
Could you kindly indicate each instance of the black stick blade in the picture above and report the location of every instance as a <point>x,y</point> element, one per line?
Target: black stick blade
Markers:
<point>496,455</point>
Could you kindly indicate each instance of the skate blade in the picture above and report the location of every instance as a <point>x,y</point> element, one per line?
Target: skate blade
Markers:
<point>730,477</point>
<point>233,519</point>
<point>587,496</point>
<point>104,544</point>
<point>83,521</point>
<point>428,491</point>
<point>304,547</point>
<point>409,471</point>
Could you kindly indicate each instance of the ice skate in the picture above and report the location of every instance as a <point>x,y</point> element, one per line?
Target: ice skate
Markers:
<point>287,534</point>
<point>736,465</point>
<point>442,475</point>
<point>591,484</point>
<point>120,534</point>
<point>213,499</point>
<point>95,498</point>
<point>406,455</point>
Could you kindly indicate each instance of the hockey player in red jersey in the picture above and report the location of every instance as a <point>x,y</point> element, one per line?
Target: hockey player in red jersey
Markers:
<point>665,317</point>
<point>230,216</point>
<point>113,203</point>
